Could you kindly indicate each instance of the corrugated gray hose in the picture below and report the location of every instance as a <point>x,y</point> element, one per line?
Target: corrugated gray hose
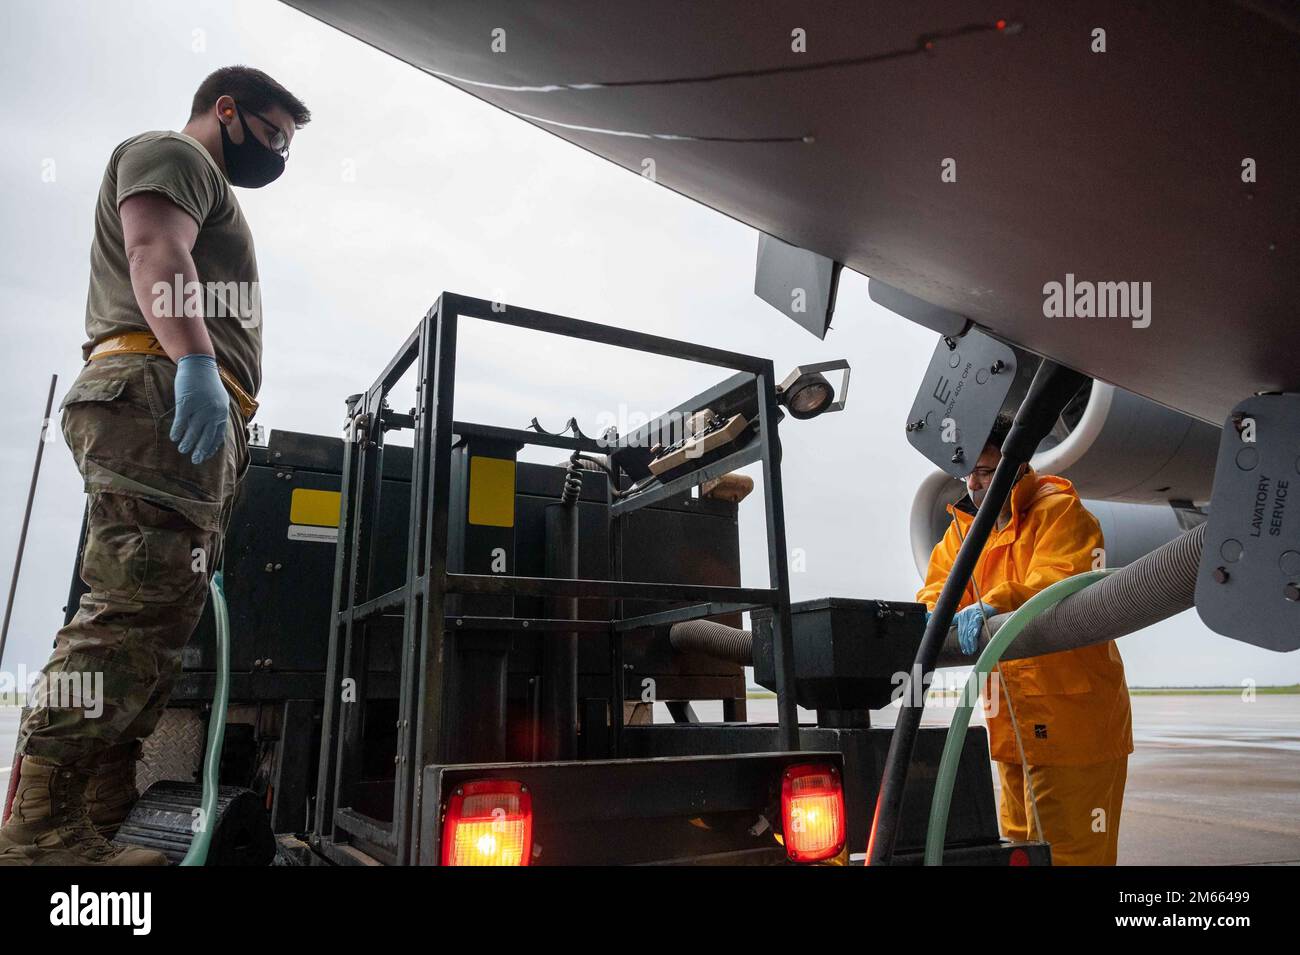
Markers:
<point>713,639</point>
<point>1151,589</point>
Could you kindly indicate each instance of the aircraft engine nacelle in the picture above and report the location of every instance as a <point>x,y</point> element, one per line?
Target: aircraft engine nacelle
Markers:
<point>1117,446</point>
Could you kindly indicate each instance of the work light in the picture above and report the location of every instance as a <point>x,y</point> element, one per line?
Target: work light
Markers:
<point>806,392</point>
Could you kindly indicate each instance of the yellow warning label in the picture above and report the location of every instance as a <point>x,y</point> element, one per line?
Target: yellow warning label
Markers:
<point>491,491</point>
<point>318,508</point>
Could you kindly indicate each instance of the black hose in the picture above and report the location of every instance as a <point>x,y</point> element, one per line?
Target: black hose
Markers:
<point>572,482</point>
<point>1052,387</point>
<point>713,639</point>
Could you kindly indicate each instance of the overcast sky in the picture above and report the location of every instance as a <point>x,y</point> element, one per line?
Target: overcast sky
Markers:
<point>402,187</point>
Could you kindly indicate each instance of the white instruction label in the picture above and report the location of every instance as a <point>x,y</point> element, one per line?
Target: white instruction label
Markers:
<point>305,532</point>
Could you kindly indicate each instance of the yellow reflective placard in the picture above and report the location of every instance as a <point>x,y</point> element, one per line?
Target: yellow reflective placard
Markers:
<point>491,491</point>
<point>318,508</point>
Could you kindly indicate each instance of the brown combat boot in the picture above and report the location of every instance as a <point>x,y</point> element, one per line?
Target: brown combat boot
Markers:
<point>111,789</point>
<point>49,824</point>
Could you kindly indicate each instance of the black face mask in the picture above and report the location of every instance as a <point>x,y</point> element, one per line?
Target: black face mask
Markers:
<point>249,164</point>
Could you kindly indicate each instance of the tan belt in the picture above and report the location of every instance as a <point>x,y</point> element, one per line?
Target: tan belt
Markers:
<point>142,343</point>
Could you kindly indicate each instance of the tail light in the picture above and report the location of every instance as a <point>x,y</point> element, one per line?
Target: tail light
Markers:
<point>812,812</point>
<point>488,822</point>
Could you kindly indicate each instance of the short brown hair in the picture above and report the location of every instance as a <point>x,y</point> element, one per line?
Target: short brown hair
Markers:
<point>249,87</point>
<point>1001,428</point>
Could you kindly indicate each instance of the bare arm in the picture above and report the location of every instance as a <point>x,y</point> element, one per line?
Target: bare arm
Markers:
<point>158,236</point>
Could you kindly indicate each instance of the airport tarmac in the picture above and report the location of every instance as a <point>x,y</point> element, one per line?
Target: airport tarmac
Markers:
<point>1213,780</point>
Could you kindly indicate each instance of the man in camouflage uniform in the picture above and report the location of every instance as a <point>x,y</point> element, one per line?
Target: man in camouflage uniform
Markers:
<point>157,425</point>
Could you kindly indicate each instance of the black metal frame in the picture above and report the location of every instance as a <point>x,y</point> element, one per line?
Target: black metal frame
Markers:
<point>425,683</point>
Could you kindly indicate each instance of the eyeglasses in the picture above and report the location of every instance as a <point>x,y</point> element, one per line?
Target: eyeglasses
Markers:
<point>986,474</point>
<point>278,142</point>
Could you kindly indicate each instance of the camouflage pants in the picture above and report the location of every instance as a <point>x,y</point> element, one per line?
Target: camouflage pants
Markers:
<point>154,527</point>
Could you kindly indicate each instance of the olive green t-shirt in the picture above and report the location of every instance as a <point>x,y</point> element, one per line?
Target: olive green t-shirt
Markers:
<point>227,295</point>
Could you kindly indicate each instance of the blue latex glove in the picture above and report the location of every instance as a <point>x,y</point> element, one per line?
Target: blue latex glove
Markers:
<point>202,408</point>
<point>969,622</point>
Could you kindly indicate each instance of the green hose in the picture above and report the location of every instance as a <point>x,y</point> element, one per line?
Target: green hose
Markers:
<point>198,852</point>
<point>943,783</point>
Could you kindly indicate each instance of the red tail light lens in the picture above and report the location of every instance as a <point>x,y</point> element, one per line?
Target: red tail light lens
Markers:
<point>489,822</point>
<point>812,812</point>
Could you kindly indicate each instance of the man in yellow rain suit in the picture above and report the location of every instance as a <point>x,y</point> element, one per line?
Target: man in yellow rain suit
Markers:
<point>1072,707</point>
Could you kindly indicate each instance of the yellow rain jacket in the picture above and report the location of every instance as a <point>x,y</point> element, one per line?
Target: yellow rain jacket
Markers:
<point>1072,706</point>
